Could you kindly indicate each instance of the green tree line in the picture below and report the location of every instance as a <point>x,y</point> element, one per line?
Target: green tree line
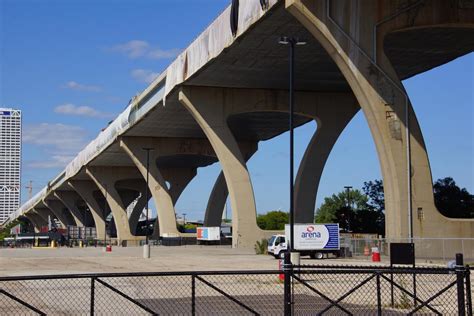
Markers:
<point>364,211</point>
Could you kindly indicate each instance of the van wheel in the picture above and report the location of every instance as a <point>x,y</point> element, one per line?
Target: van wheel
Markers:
<point>281,255</point>
<point>316,255</point>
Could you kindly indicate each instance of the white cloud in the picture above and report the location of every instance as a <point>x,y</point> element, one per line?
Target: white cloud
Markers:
<point>71,109</point>
<point>57,161</point>
<point>73,85</point>
<point>132,49</point>
<point>59,143</point>
<point>139,48</point>
<point>62,136</point>
<point>158,53</point>
<point>144,75</point>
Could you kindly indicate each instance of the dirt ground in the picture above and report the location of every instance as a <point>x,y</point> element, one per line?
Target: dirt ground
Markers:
<point>185,258</point>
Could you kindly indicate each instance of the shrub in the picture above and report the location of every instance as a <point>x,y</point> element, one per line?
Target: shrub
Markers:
<point>261,247</point>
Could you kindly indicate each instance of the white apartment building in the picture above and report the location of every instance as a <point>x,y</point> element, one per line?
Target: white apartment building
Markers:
<point>10,161</point>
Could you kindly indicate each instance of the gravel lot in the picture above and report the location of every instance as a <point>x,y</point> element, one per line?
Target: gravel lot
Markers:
<point>172,294</point>
<point>90,260</point>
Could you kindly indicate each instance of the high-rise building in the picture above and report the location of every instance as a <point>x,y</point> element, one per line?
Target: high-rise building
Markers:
<point>10,161</point>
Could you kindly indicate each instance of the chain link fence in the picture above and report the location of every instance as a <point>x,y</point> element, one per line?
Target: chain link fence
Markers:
<point>425,248</point>
<point>383,290</point>
<point>328,290</point>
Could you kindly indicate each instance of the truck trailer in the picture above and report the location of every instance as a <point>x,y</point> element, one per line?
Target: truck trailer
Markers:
<point>314,240</point>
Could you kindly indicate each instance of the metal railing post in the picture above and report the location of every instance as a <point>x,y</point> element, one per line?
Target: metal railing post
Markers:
<point>287,284</point>
<point>379,296</point>
<point>193,295</point>
<point>444,254</point>
<point>92,296</point>
<point>460,274</point>
<point>468,291</point>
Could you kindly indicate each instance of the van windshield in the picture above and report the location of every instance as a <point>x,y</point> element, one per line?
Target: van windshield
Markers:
<point>271,240</point>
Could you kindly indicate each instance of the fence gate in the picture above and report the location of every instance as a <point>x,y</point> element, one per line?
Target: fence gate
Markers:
<point>376,291</point>
<point>316,290</point>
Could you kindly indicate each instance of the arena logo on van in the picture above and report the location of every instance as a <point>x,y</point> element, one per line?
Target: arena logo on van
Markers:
<point>310,233</point>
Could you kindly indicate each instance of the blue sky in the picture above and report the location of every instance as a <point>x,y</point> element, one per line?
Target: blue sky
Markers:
<point>71,66</point>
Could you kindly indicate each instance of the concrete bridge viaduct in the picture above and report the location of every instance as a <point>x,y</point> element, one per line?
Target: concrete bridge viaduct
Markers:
<point>227,91</point>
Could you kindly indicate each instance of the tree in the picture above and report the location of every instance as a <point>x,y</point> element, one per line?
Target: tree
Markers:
<point>451,200</point>
<point>273,220</point>
<point>374,191</point>
<point>352,211</point>
<point>5,231</point>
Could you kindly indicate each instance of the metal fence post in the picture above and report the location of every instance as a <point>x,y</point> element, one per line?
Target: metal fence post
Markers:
<point>193,294</point>
<point>92,296</point>
<point>460,274</point>
<point>468,291</point>
<point>379,296</point>
<point>444,255</point>
<point>287,284</point>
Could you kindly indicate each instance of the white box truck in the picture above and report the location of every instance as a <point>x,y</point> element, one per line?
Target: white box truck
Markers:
<point>312,240</point>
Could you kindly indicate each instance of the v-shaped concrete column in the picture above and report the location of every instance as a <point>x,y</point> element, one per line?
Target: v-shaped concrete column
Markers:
<point>86,189</point>
<point>44,213</point>
<point>137,185</point>
<point>164,201</point>
<point>218,197</point>
<point>69,199</point>
<point>105,178</point>
<point>332,112</point>
<point>207,106</point>
<point>60,211</point>
<point>178,179</point>
<point>36,220</point>
<point>136,213</point>
<point>387,108</point>
<point>216,203</point>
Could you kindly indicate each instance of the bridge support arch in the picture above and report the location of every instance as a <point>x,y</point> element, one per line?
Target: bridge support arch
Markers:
<point>164,200</point>
<point>60,211</point>
<point>36,220</point>
<point>207,106</point>
<point>69,199</point>
<point>85,189</point>
<point>408,190</point>
<point>105,179</point>
<point>214,107</point>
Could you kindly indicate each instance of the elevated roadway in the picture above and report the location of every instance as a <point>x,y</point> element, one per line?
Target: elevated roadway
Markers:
<point>227,91</point>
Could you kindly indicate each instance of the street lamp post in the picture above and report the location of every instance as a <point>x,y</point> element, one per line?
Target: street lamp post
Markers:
<point>291,42</point>
<point>105,218</point>
<point>146,247</point>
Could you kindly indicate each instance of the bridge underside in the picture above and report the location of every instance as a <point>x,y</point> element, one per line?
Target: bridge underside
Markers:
<point>221,111</point>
